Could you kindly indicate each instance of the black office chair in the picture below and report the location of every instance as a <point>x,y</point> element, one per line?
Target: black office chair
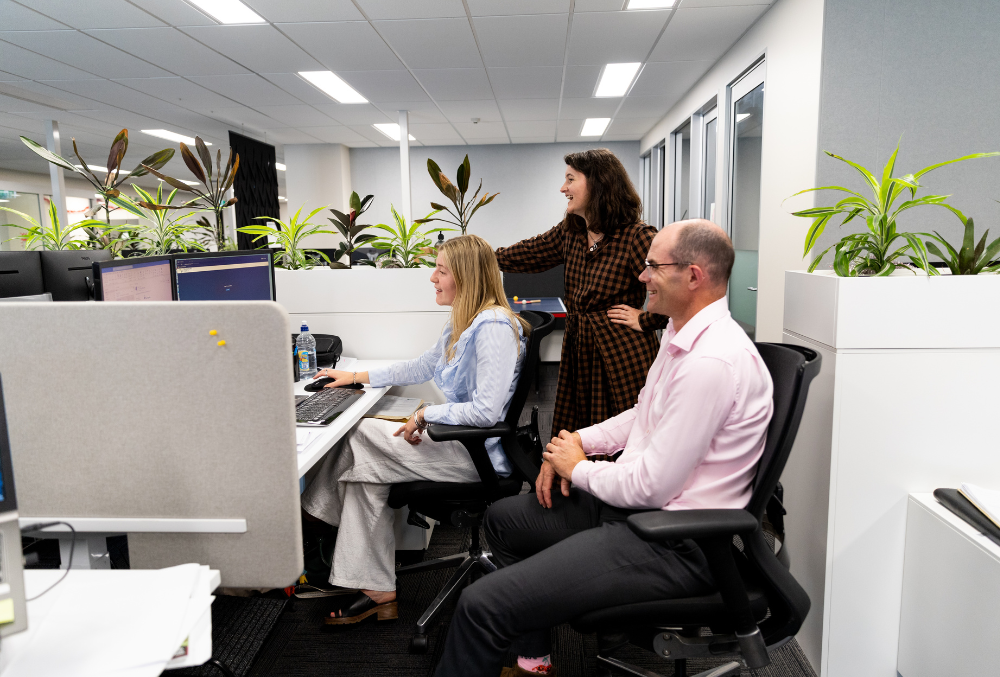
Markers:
<point>463,505</point>
<point>759,605</point>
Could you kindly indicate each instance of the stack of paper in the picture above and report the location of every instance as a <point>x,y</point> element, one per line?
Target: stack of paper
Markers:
<point>987,501</point>
<point>304,437</point>
<point>129,623</point>
<point>393,408</point>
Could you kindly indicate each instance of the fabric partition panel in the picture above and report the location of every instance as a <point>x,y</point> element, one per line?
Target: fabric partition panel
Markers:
<point>256,185</point>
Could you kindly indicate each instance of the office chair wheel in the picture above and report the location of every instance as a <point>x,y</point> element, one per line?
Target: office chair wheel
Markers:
<point>418,644</point>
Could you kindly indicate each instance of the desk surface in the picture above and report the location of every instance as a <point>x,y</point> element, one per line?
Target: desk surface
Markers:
<point>546,304</point>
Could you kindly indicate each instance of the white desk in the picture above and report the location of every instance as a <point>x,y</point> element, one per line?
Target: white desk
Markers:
<point>128,623</point>
<point>948,622</point>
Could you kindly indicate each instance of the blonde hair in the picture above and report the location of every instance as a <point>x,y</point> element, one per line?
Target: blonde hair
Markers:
<point>478,286</point>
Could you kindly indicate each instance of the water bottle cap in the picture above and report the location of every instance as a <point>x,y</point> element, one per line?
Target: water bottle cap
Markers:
<point>305,327</point>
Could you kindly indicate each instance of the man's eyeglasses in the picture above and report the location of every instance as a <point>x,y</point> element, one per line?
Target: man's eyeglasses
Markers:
<point>654,266</point>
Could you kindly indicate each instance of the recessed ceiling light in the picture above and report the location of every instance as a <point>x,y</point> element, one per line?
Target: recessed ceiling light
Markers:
<point>616,78</point>
<point>594,126</point>
<point>282,197</point>
<point>93,168</point>
<point>280,167</point>
<point>391,129</point>
<point>228,11</point>
<point>740,117</point>
<point>171,136</point>
<point>335,88</point>
<point>650,4</point>
<point>4,200</point>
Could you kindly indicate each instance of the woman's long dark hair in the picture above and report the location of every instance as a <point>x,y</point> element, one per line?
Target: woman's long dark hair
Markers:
<point>613,202</point>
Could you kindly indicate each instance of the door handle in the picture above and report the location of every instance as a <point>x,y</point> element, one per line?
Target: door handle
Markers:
<point>751,288</point>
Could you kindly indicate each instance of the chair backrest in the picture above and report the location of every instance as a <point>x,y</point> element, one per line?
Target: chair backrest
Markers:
<point>541,326</point>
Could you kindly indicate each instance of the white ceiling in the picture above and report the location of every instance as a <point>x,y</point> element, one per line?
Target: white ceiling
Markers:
<point>526,68</point>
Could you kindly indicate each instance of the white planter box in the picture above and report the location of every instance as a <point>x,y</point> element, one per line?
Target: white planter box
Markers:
<point>903,405</point>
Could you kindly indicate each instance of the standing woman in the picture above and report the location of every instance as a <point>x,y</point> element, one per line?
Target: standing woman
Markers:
<point>609,343</point>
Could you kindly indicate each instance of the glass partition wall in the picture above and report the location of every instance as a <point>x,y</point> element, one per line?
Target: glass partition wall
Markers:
<point>681,189</point>
<point>710,148</point>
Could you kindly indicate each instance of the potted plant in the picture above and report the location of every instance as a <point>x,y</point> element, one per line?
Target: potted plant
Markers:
<point>53,236</point>
<point>972,258</point>
<point>403,246</point>
<point>161,234</point>
<point>289,236</point>
<point>347,225</point>
<point>464,209</point>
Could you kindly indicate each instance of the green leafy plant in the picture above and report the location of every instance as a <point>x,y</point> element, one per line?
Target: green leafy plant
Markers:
<point>53,236</point>
<point>290,235</point>
<point>108,186</point>
<point>161,234</point>
<point>972,258</point>
<point>213,197</point>
<point>464,210</point>
<point>404,246</point>
<point>347,225</point>
<point>878,251</point>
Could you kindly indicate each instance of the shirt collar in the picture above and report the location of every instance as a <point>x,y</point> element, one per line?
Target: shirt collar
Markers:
<point>686,337</point>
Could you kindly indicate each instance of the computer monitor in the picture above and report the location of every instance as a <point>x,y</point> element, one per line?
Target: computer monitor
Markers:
<point>13,616</point>
<point>148,278</point>
<point>69,275</point>
<point>20,274</point>
<point>224,276</point>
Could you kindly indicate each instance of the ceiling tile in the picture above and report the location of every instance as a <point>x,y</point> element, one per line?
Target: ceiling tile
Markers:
<point>9,104</point>
<point>589,108</point>
<point>581,81</point>
<point>420,111</point>
<point>338,134</point>
<point>290,135</point>
<point>669,77</point>
<point>242,115</point>
<point>455,84</point>
<point>530,109</point>
<point>349,45</point>
<point>432,43</point>
<point>384,85</point>
<point>463,111</point>
<point>646,106</point>
<point>443,142</point>
<point>72,101</point>
<point>425,9</point>
<point>277,11</point>
<point>532,128</point>
<point>438,132</point>
<point>635,126</point>
<point>354,113</point>
<point>510,7</point>
<point>373,135</point>
<point>170,49</point>
<point>526,83</point>
<point>96,13</point>
<point>704,32</point>
<point>178,91</point>
<point>510,41</point>
<point>723,3</point>
<point>532,139</point>
<point>20,18</point>
<point>260,48</point>
<point>484,130</point>
<point>174,12</point>
<point>296,116</point>
<point>297,87</point>
<point>250,89</point>
<point>84,52</point>
<point>490,141</point>
<point>599,5</point>
<point>569,130</point>
<point>614,37</point>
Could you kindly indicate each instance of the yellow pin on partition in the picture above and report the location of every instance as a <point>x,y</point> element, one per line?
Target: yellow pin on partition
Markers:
<point>221,343</point>
<point>212,332</point>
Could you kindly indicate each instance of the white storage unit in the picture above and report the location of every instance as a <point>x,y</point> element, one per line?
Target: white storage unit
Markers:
<point>904,403</point>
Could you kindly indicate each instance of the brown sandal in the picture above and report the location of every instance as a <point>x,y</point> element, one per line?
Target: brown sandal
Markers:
<point>361,608</point>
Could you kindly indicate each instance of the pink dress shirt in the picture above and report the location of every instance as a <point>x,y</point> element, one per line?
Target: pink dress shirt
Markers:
<point>694,437</point>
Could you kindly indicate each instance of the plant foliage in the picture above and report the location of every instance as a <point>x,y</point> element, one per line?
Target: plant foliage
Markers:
<point>347,225</point>
<point>290,235</point>
<point>161,234</point>
<point>404,246</point>
<point>881,249</point>
<point>464,209</point>
<point>54,236</point>
<point>972,258</point>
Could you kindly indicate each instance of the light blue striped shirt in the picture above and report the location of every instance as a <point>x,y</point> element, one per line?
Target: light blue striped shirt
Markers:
<point>478,382</point>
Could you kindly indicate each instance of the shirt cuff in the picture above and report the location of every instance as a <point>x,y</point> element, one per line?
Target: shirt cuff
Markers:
<point>378,377</point>
<point>429,413</point>
<point>593,440</point>
<point>581,475</point>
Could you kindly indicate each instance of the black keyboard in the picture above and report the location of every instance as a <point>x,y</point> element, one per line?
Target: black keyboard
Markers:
<point>323,407</point>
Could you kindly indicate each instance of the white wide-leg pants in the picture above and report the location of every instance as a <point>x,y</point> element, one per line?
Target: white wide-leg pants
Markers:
<point>351,491</point>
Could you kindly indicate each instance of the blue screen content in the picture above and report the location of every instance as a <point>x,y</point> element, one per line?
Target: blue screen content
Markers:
<point>224,278</point>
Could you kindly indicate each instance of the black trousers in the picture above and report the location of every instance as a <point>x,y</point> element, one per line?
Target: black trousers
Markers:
<point>556,564</point>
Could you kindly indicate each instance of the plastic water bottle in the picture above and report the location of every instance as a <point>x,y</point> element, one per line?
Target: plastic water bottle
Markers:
<point>305,347</point>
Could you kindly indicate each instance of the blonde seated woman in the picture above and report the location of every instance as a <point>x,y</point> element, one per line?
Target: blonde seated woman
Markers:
<point>475,363</point>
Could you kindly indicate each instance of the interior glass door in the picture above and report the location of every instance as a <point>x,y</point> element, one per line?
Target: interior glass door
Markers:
<point>746,116</point>
<point>682,173</point>
<point>710,151</point>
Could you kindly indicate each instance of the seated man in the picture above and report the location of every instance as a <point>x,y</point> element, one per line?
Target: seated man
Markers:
<point>693,440</point>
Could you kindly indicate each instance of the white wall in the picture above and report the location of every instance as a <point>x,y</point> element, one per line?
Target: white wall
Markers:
<point>527,176</point>
<point>318,175</point>
<point>790,34</point>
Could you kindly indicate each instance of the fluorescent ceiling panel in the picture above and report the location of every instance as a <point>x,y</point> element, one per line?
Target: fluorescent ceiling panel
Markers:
<point>594,126</point>
<point>740,117</point>
<point>93,168</point>
<point>616,79</point>
<point>171,136</point>
<point>280,167</point>
<point>331,85</point>
<point>228,11</point>
<point>391,129</point>
<point>650,4</point>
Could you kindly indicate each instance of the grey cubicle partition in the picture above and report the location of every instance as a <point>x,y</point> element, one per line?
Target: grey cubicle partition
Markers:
<point>133,410</point>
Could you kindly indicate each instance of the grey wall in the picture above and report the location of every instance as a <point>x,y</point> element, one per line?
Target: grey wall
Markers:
<point>923,69</point>
<point>527,176</point>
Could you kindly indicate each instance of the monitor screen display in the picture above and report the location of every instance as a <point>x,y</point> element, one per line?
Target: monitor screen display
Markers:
<point>145,281</point>
<point>244,277</point>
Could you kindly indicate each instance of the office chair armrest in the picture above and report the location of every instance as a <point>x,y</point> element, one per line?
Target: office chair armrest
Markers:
<point>676,525</point>
<point>460,433</point>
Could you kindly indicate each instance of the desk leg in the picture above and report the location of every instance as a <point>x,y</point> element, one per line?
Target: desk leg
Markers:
<point>90,551</point>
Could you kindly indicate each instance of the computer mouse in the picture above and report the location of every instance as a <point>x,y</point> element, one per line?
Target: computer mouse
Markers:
<point>321,383</point>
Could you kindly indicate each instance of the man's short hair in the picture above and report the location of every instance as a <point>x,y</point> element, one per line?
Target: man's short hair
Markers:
<point>702,242</point>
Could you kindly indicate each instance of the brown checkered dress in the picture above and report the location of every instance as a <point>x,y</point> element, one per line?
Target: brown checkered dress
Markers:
<point>603,365</point>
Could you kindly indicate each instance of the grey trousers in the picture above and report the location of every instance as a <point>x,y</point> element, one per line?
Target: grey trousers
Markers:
<point>351,491</point>
<point>556,564</point>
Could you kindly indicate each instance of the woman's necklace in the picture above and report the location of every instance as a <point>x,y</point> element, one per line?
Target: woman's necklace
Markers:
<point>594,241</point>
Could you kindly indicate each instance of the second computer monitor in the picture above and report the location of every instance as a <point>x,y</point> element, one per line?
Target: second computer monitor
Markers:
<point>135,279</point>
<point>224,276</point>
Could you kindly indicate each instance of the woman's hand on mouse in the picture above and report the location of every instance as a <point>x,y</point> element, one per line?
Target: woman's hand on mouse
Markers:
<point>342,378</point>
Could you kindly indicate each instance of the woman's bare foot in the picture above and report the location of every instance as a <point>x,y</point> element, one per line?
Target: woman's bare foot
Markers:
<point>377,596</point>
